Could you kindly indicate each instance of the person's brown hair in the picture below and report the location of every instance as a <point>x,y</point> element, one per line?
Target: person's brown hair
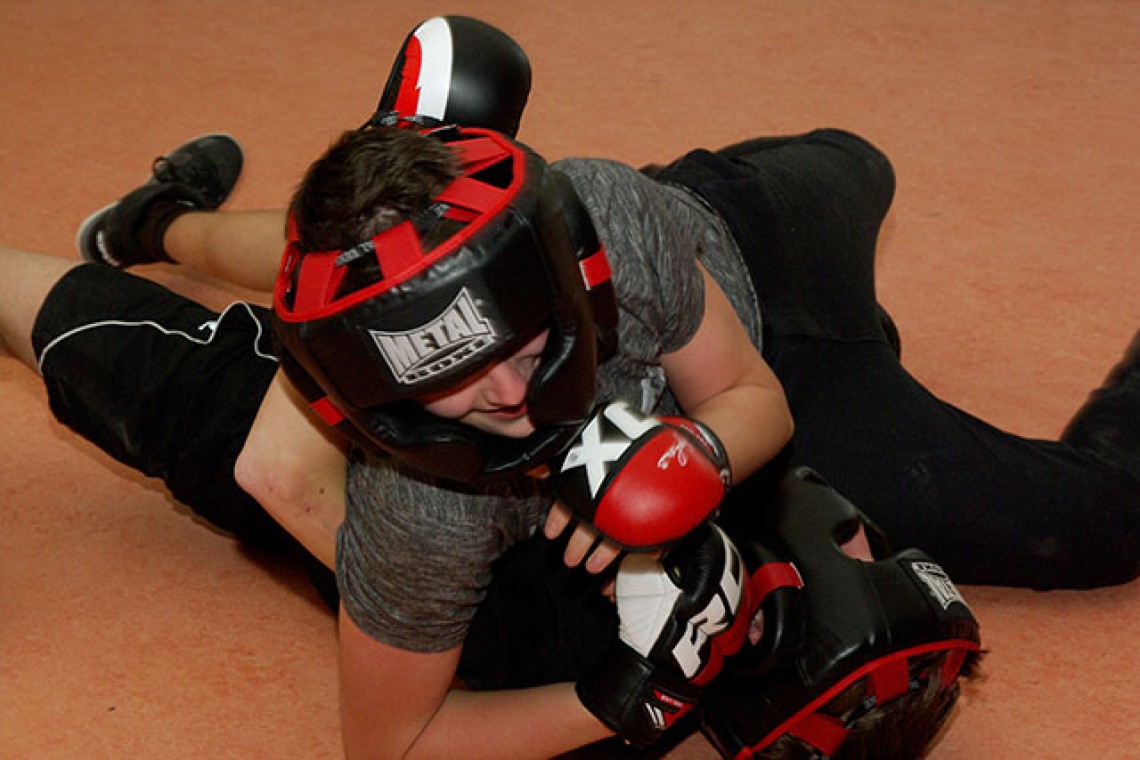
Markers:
<point>367,181</point>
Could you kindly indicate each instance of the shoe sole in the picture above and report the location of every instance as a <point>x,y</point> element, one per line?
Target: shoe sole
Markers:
<point>86,229</point>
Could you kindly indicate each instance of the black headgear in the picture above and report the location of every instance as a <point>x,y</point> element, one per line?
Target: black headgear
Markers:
<point>829,620</point>
<point>525,259</point>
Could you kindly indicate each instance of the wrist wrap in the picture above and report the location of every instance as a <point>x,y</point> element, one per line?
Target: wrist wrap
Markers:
<point>634,697</point>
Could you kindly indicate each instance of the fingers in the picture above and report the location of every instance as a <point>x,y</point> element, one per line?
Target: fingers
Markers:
<point>603,554</point>
<point>581,542</point>
<point>584,544</point>
<point>556,520</point>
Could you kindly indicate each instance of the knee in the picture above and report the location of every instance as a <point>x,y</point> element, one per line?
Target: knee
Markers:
<point>26,280</point>
<point>872,167</point>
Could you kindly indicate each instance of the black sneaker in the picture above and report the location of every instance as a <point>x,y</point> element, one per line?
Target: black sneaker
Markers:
<point>197,176</point>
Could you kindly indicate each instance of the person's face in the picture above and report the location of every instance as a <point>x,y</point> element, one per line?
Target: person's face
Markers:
<point>494,401</point>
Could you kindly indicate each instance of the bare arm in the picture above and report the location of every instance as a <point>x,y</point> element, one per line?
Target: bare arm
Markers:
<point>720,379</point>
<point>394,703</point>
<point>397,704</point>
<point>295,469</point>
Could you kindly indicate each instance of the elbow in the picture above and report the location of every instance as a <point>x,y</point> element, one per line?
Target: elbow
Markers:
<point>785,423</point>
<point>789,424</point>
<point>276,488</point>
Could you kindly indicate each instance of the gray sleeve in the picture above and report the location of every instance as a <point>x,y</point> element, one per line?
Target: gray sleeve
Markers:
<point>414,557</point>
<point>653,240</point>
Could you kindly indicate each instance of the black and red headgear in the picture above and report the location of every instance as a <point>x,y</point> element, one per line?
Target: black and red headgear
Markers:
<point>829,622</point>
<point>428,317</point>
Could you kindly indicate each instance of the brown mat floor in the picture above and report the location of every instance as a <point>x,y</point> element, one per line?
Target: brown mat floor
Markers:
<point>1009,260</point>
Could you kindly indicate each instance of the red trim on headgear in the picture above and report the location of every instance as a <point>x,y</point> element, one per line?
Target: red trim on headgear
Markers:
<point>953,665</point>
<point>595,268</point>
<point>400,255</point>
<point>327,411</point>
<point>398,248</point>
<point>889,681</point>
<point>471,195</point>
<point>807,713</point>
<point>476,154</point>
<point>772,576</point>
<point>823,732</point>
<point>319,268</point>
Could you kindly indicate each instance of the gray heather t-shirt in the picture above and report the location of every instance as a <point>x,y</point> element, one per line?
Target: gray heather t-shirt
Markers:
<point>414,555</point>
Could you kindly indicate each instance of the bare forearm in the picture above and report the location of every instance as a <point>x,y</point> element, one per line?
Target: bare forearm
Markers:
<point>754,424</point>
<point>312,520</point>
<point>720,379</point>
<point>397,703</point>
<point>540,722</point>
<point>295,470</point>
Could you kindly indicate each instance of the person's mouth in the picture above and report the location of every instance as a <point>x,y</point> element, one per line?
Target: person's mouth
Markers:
<point>515,412</point>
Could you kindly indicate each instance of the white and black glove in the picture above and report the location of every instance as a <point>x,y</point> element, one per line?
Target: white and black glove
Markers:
<point>680,616</point>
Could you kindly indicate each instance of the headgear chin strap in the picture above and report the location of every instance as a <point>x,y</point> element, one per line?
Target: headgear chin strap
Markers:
<point>419,318</point>
<point>829,620</point>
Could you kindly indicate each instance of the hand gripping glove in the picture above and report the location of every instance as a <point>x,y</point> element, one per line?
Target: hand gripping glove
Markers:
<point>642,482</point>
<point>679,618</point>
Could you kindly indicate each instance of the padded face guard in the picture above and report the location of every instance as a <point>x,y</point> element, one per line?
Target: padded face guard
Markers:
<point>829,621</point>
<point>427,320</point>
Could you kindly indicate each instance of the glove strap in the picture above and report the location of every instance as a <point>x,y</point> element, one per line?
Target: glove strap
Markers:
<point>711,443</point>
<point>637,699</point>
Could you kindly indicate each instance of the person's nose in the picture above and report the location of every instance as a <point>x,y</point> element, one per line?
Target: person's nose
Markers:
<point>506,385</point>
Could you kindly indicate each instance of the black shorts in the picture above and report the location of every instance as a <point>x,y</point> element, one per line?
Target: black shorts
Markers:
<point>162,384</point>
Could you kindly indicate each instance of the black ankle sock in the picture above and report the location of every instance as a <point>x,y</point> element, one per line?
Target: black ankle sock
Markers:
<point>154,224</point>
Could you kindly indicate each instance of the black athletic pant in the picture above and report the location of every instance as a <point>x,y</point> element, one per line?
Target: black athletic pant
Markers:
<point>993,507</point>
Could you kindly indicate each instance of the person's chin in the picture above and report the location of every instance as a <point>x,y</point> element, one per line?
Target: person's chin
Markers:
<point>518,427</point>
